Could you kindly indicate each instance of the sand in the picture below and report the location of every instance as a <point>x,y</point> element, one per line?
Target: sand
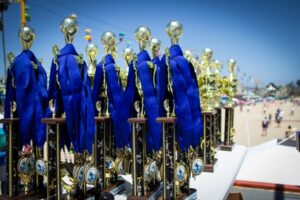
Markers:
<point>248,125</point>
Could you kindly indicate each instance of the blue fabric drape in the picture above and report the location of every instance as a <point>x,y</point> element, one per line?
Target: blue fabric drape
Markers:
<point>30,93</point>
<point>117,102</point>
<point>188,73</point>
<point>186,97</point>
<point>73,96</point>
<point>150,102</point>
<point>161,82</point>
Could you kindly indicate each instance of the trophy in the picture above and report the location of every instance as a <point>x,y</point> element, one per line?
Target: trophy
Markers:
<point>105,152</point>
<point>144,166</point>
<point>22,150</point>
<point>154,45</point>
<point>127,54</point>
<point>176,167</point>
<point>92,52</point>
<point>229,87</point>
<point>206,82</point>
<point>217,93</point>
<point>54,165</point>
<point>139,156</point>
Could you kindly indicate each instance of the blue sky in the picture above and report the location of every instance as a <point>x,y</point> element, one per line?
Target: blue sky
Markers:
<point>262,35</point>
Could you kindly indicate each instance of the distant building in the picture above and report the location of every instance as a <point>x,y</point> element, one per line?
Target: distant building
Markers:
<point>271,89</point>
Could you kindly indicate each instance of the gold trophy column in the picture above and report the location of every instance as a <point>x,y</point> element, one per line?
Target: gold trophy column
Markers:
<point>229,87</point>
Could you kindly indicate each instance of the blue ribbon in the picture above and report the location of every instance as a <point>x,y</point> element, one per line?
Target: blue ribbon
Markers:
<point>130,92</point>
<point>182,108</point>
<point>189,75</point>
<point>161,83</point>
<point>74,98</point>
<point>150,102</point>
<point>186,97</point>
<point>117,104</point>
<point>30,94</point>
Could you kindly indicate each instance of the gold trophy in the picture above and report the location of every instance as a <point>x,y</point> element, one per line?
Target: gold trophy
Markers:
<point>154,45</point>
<point>139,156</point>
<point>194,159</point>
<point>21,163</point>
<point>229,87</point>
<point>105,152</point>
<point>155,164</point>
<point>144,167</point>
<point>217,94</point>
<point>54,166</point>
<point>127,54</point>
<point>189,56</point>
<point>175,166</point>
<point>26,163</point>
<point>92,52</point>
<point>108,40</point>
<point>206,83</point>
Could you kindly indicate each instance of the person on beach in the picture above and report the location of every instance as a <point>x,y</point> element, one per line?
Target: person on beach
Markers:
<point>265,125</point>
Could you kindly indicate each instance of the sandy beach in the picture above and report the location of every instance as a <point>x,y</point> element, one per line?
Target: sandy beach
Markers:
<point>248,124</point>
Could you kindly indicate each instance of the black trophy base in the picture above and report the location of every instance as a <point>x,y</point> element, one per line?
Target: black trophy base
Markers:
<point>30,195</point>
<point>115,188</point>
<point>210,167</point>
<point>150,195</point>
<point>226,147</point>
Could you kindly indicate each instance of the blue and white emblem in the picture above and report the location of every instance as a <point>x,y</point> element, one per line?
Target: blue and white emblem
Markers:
<point>80,174</point>
<point>197,166</point>
<point>181,173</point>
<point>109,163</point>
<point>40,167</point>
<point>91,175</point>
<point>22,166</point>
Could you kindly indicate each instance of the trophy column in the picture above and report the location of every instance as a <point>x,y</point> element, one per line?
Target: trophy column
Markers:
<point>229,86</point>
<point>53,178</point>
<point>102,132</point>
<point>228,130</point>
<point>139,157</point>
<point>168,156</point>
<point>218,122</point>
<point>12,181</point>
<point>207,144</point>
<point>209,100</point>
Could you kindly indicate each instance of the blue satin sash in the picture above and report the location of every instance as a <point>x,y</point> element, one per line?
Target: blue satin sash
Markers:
<point>117,104</point>
<point>150,102</point>
<point>161,83</point>
<point>74,98</point>
<point>30,94</point>
<point>188,73</point>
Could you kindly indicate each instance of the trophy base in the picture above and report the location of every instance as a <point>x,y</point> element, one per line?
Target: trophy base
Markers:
<point>210,167</point>
<point>30,196</point>
<point>226,147</point>
<point>116,188</point>
<point>150,195</point>
<point>33,194</point>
